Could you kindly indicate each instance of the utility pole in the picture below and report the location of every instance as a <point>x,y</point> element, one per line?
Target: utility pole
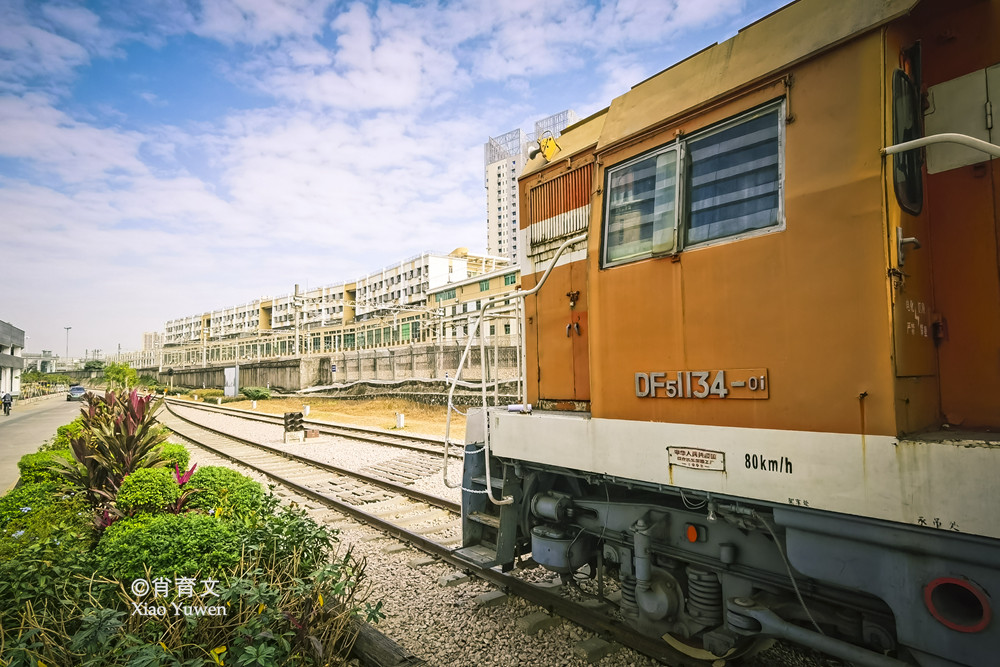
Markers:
<point>297,302</point>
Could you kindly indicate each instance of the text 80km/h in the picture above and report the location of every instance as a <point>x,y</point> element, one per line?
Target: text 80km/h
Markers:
<point>732,383</point>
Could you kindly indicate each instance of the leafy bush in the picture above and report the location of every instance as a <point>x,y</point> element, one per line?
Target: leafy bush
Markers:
<point>256,393</point>
<point>64,434</point>
<point>27,498</point>
<point>148,490</point>
<point>121,436</point>
<point>168,544</point>
<point>38,467</point>
<point>175,454</point>
<point>68,519</point>
<point>207,393</point>
<point>57,606</point>
<point>281,532</point>
<point>225,491</point>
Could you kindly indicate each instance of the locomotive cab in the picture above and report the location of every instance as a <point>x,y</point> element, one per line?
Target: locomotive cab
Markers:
<point>763,344</point>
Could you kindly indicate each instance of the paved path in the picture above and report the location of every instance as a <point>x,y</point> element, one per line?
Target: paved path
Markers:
<point>28,426</point>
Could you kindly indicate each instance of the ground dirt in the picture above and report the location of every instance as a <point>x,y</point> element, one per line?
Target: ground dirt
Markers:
<point>378,413</point>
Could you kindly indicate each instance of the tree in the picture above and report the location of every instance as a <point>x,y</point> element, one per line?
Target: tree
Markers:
<point>93,365</point>
<point>122,375</point>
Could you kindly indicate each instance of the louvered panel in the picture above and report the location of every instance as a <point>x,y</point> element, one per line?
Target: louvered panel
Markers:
<point>561,206</point>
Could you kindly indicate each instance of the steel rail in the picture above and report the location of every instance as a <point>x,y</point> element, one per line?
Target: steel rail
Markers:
<point>329,428</point>
<point>554,603</point>
<point>428,498</point>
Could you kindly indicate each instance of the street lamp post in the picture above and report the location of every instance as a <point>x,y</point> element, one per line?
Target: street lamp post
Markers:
<point>67,343</point>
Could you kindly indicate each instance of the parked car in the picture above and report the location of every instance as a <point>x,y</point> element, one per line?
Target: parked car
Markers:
<point>76,393</point>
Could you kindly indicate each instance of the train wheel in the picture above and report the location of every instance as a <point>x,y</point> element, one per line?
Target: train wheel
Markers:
<point>751,647</point>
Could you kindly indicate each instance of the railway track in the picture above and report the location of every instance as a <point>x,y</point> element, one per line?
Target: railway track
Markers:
<point>418,443</point>
<point>375,499</point>
<point>428,523</point>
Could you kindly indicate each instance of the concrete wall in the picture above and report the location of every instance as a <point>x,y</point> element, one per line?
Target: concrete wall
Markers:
<point>398,363</point>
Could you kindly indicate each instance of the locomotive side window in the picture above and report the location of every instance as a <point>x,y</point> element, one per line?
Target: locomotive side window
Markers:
<point>732,175</point>
<point>641,211</point>
<point>734,179</point>
<point>906,176</point>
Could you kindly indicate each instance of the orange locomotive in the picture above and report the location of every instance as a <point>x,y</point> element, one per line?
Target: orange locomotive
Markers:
<point>771,331</point>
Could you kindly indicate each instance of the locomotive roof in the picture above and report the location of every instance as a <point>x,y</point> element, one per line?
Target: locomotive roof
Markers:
<point>764,48</point>
<point>789,35</point>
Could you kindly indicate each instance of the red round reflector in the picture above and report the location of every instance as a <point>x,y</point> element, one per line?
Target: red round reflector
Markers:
<point>958,604</point>
<point>692,533</point>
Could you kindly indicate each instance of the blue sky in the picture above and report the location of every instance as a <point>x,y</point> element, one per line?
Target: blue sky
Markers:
<point>160,158</point>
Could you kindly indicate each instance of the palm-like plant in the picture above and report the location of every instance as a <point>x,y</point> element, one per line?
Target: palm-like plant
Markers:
<point>121,438</point>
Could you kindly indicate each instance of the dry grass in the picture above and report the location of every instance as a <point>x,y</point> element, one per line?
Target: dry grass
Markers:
<point>377,413</point>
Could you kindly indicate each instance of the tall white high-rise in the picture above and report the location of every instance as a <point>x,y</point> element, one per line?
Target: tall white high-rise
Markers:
<point>505,156</point>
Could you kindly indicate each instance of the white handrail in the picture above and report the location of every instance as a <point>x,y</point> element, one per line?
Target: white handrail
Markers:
<point>461,364</point>
<point>945,138</point>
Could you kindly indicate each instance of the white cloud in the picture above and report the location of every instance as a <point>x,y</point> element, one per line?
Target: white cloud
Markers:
<point>35,131</point>
<point>371,150</point>
<point>259,21</point>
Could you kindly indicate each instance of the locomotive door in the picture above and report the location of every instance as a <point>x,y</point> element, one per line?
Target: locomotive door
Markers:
<point>909,238</point>
<point>561,334</point>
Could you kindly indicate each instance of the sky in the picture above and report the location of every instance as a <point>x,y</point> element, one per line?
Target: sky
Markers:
<point>164,158</point>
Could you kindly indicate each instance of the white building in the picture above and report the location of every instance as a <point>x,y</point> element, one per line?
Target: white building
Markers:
<point>396,288</point>
<point>11,361</point>
<point>151,340</point>
<point>504,158</point>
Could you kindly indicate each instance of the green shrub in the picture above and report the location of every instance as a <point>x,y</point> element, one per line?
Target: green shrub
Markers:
<point>207,393</point>
<point>256,393</point>
<point>226,491</point>
<point>168,544</point>
<point>64,433</point>
<point>174,453</point>
<point>279,533</point>
<point>148,490</point>
<point>27,498</point>
<point>67,520</point>
<point>37,467</point>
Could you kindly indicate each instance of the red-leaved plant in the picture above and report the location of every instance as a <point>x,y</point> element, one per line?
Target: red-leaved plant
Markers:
<point>182,479</point>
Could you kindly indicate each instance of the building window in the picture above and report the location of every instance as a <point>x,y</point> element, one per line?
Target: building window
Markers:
<point>732,175</point>
<point>493,329</point>
<point>506,329</point>
<point>510,279</point>
<point>484,285</point>
<point>447,294</point>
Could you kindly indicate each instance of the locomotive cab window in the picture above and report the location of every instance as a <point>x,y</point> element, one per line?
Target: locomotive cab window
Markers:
<point>641,212</point>
<point>906,166</point>
<point>732,177</point>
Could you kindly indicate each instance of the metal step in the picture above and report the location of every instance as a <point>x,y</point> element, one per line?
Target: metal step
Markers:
<point>491,520</point>
<point>478,554</point>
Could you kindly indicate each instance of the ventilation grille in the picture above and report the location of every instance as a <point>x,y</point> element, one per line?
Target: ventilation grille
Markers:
<point>560,207</point>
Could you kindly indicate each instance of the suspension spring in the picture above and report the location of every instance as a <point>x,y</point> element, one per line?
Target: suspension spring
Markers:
<point>628,591</point>
<point>704,596</point>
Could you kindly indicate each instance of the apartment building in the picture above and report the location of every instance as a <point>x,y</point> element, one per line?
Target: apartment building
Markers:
<point>151,340</point>
<point>376,298</point>
<point>456,307</point>
<point>11,361</point>
<point>504,158</point>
